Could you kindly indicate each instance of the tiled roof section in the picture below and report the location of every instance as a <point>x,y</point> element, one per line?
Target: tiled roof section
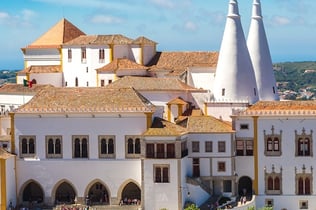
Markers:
<point>41,69</point>
<point>4,154</point>
<point>143,40</point>
<point>5,138</point>
<point>121,64</point>
<point>10,88</point>
<point>281,108</point>
<point>62,32</point>
<point>152,83</point>
<point>177,101</point>
<point>86,99</point>
<point>207,124</point>
<point>116,39</point>
<point>161,127</point>
<point>179,61</point>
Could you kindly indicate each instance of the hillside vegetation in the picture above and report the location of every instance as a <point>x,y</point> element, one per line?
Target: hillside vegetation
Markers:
<point>296,80</point>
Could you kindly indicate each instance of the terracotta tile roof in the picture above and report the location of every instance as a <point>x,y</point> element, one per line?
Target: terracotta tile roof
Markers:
<point>177,101</point>
<point>152,83</point>
<point>4,154</point>
<point>116,39</point>
<point>62,32</point>
<point>121,64</point>
<point>41,69</point>
<point>281,108</point>
<point>207,124</point>
<point>11,88</point>
<point>86,99</point>
<point>5,138</point>
<point>161,127</point>
<point>143,40</point>
<point>179,61</point>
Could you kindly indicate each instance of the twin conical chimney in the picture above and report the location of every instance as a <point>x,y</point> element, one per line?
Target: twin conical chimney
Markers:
<point>260,56</point>
<point>235,78</point>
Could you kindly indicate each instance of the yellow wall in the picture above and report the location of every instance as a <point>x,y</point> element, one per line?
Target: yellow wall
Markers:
<point>3,194</point>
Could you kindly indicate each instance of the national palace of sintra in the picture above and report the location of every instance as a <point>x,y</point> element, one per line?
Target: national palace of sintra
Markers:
<point>109,122</point>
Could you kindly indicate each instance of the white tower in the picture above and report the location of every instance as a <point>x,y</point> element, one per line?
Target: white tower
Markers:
<point>260,56</point>
<point>235,78</point>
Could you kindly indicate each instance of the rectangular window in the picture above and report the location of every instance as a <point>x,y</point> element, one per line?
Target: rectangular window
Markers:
<point>83,55</point>
<point>227,184</point>
<point>160,150</point>
<point>221,146</point>
<point>221,166</point>
<point>80,145</point>
<point>223,92</point>
<point>244,126</point>
<point>102,82</point>
<point>249,147</point>
<point>150,150</point>
<point>195,146</point>
<point>269,202</point>
<point>133,146</point>
<point>101,55</point>
<point>53,146</point>
<point>161,173</point>
<point>106,146</point>
<point>208,146</point>
<point>240,147</point>
<point>69,55</point>
<point>171,151</point>
<point>27,146</point>
<point>184,149</point>
<point>303,204</point>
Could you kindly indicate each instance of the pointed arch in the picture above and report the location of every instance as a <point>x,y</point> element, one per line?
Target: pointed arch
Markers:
<point>31,191</point>
<point>64,191</point>
<point>98,192</point>
<point>132,184</point>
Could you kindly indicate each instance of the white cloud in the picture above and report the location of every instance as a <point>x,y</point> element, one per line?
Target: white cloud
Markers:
<point>105,19</point>
<point>4,15</point>
<point>280,21</point>
<point>191,26</point>
<point>28,14</point>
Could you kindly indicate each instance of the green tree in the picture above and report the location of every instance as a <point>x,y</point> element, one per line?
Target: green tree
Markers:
<point>192,207</point>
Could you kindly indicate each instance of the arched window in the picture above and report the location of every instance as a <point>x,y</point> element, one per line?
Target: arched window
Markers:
<point>50,146</point>
<point>307,186</point>
<point>58,146</point>
<point>269,144</point>
<point>103,146</point>
<point>111,146</point>
<point>24,146</point>
<point>276,183</point>
<point>300,186</point>
<point>77,147</point>
<point>137,146</point>
<point>270,183</point>
<point>31,146</point>
<point>130,146</point>
<point>276,143</point>
<point>84,148</point>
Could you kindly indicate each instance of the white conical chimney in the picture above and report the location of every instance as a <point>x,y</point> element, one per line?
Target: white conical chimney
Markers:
<point>260,56</point>
<point>235,79</point>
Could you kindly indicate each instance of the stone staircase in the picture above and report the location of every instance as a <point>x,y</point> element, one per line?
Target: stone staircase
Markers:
<point>199,182</point>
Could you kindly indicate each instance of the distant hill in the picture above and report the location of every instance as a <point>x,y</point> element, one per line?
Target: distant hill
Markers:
<point>296,80</point>
<point>7,76</point>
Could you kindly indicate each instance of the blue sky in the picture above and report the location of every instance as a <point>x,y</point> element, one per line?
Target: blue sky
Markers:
<point>177,25</point>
